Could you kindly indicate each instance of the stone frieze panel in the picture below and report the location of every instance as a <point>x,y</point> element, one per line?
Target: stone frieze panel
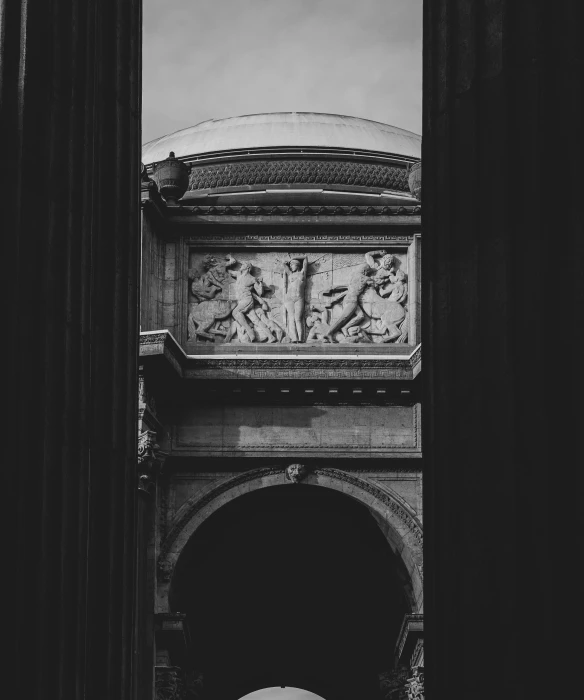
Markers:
<point>325,431</point>
<point>298,297</point>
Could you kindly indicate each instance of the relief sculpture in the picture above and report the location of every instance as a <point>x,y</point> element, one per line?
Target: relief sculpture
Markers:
<point>259,297</point>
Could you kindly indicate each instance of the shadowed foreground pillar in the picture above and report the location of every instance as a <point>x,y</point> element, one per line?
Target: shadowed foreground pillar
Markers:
<point>502,219</point>
<point>70,122</point>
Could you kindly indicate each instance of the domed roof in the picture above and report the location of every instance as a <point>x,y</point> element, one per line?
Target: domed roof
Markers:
<point>285,129</point>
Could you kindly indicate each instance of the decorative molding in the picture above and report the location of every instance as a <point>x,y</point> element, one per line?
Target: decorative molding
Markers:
<point>412,627</point>
<point>392,501</point>
<point>333,366</point>
<point>155,338</point>
<point>299,368</point>
<point>283,210</point>
<point>296,171</point>
<point>417,658</point>
<point>165,567</point>
<point>299,240</point>
<point>395,503</point>
<point>301,363</point>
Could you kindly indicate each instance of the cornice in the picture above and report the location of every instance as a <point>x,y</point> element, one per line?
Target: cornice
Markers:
<point>412,628</point>
<point>360,366</point>
<point>279,153</point>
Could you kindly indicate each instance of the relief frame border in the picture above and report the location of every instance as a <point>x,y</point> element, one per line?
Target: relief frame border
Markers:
<point>409,243</point>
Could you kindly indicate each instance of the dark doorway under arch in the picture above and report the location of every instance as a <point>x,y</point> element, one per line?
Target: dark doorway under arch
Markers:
<point>291,585</point>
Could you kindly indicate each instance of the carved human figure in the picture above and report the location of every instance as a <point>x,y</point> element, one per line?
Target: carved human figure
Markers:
<point>263,315</point>
<point>211,282</point>
<point>294,273</point>
<point>352,314</point>
<point>317,324</point>
<point>390,281</point>
<point>248,290</point>
<point>296,473</point>
<point>209,308</point>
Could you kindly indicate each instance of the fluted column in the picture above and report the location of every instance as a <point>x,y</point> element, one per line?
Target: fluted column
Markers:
<point>70,122</point>
<point>502,217</point>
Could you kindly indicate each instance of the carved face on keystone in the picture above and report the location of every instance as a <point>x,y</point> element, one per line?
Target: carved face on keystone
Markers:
<point>294,265</point>
<point>296,472</point>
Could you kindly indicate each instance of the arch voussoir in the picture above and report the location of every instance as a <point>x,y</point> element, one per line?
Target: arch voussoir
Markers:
<point>395,517</point>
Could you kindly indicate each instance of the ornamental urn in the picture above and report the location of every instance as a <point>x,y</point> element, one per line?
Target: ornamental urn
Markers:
<point>415,180</point>
<point>172,177</point>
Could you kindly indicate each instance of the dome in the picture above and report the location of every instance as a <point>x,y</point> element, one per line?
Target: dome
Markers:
<point>285,130</point>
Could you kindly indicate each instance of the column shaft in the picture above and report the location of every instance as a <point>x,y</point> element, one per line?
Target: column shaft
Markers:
<point>70,73</point>
<point>502,303</point>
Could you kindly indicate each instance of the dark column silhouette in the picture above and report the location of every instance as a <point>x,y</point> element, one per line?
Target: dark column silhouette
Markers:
<point>502,218</point>
<point>70,73</point>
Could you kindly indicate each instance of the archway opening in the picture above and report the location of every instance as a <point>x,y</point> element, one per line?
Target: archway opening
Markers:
<point>291,586</point>
<point>281,694</point>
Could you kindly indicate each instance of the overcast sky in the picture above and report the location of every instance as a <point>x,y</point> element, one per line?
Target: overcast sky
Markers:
<point>206,59</point>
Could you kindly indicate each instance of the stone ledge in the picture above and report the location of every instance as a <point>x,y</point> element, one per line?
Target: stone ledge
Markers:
<point>360,366</point>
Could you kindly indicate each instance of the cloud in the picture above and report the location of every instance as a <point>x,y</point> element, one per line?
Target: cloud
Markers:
<point>207,59</point>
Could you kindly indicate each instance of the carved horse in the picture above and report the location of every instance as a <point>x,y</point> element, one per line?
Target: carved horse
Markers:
<point>393,317</point>
<point>205,314</point>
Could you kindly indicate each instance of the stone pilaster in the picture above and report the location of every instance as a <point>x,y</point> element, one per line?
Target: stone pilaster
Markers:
<point>503,183</point>
<point>70,124</point>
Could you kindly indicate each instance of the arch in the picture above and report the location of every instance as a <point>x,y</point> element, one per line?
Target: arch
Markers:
<point>396,519</point>
<point>290,690</point>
